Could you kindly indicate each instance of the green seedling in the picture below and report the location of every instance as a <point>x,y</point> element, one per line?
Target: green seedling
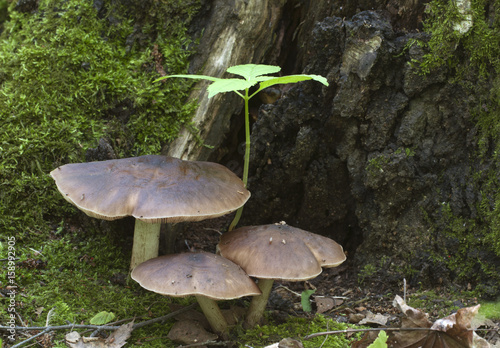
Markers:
<point>102,318</point>
<point>380,342</point>
<point>305,300</point>
<point>252,74</point>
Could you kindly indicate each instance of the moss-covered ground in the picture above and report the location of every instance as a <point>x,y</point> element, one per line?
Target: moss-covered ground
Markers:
<point>74,274</point>
<point>78,274</point>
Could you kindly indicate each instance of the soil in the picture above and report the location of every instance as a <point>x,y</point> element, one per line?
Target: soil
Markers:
<point>339,293</point>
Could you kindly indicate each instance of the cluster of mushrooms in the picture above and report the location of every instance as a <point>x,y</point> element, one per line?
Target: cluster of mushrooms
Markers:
<point>157,189</point>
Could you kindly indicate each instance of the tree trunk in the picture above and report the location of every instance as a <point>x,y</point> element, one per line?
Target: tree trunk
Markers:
<point>235,32</point>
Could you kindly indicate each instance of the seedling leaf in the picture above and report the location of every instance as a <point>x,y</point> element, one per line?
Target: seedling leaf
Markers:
<point>292,79</point>
<point>195,77</point>
<point>305,300</point>
<point>380,342</point>
<point>228,85</point>
<point>102,318</point>
<point>251,71</point>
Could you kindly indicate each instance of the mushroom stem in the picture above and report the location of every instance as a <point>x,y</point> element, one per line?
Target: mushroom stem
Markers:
<point>213,314</point>
<point>258,303</point>
<point>146,242</point>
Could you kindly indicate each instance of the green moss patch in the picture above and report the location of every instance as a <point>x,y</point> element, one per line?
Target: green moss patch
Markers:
<point>75,275</point>
<point>490,310</point>
<point>297,328</point>
<point>71,74</point>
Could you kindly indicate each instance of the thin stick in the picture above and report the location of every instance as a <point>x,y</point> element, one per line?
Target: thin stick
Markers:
<point>165,317</point>
<point>367,330</point>
<point>211,343</point>
<point>322,344</point>
<point>404,290</point>
<point>31,338</point>
<point>47,329</point>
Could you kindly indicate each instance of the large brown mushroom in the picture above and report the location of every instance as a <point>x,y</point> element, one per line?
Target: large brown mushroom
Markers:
<point>154,189</point>
<point>278,252</point>
<point>206,276</point>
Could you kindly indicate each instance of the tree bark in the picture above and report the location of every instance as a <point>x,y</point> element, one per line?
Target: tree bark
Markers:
<point>236,32</point>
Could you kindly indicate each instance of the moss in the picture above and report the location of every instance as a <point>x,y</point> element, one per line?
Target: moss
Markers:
<point>464,40</point>
<point>70,74</point>
<point>490,310</point>
<point>297,328</point>
<point>77,275</point>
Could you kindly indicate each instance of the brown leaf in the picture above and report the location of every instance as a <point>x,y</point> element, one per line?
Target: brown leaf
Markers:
<point>366,340</point>
<point>116,340</point>
<point>189,332</point>
<point>324,304</point>
<point>452,331</point>
<point>414,317</point>
<point>119,337</point>
<point>449,332</point>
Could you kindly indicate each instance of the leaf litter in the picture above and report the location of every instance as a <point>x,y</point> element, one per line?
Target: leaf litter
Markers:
<point>117,339</point>
<point>453,331</point>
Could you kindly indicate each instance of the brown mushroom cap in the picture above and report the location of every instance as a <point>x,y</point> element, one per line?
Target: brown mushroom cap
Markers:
<point>280,252</point>
<point>199,273</point>
<point>151,188</point>
<point>328,252</point>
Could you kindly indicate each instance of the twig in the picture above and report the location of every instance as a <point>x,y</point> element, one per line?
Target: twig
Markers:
<point>47,329</point>
<point>60,327</point>
<point>165,317</point>
<point>36,252</point>
<point>287,289</point>
<point>373,329</point>
<point>212,229</point>
<point>323,343</point>
<point>404,290</point>
<point>212,343</point>
<point>31,338</point>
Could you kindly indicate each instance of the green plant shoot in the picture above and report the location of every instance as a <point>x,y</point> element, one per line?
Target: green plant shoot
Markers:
<point>252,74</point>
<point>102,318</point>
<point>305,300</point>
<point>380,342</point>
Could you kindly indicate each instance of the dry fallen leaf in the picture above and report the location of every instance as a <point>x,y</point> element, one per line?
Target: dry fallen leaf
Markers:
<point>453,331</point>
<point>190,332</point>
<point>324,304</point>
<point>116,340</point>
<point>374,319</point>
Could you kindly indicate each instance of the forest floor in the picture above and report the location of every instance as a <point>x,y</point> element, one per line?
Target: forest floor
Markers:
<point>347,294</point>
<point>73,273</point>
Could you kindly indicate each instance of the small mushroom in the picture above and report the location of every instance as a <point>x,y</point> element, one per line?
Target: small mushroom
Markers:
<point>154,189</point>
<point>206,276</point>
<point>278,252</point>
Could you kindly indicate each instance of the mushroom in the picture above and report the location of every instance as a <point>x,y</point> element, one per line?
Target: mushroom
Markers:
<point>277,252</point>
<point>206,276</point>
<point>153,189</point>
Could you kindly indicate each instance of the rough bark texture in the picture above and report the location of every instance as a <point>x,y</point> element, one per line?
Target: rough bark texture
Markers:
<point>234,32</point>
<point>368,161</point>
<point>258,31</point>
